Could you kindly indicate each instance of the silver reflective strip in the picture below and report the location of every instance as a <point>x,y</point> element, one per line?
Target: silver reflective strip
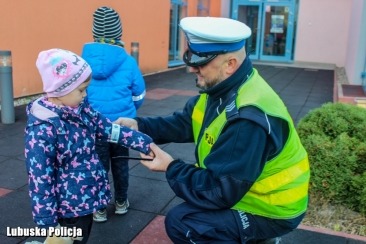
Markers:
<point>269,124</point>
<point>115,133</point>
<point>140,97</point>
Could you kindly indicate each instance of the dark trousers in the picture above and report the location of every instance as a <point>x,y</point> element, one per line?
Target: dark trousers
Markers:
<point>187,224</point>
<point>84,222</point>
<point>118,166</point>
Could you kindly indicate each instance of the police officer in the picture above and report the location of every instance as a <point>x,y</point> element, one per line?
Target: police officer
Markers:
<point>251,178</point>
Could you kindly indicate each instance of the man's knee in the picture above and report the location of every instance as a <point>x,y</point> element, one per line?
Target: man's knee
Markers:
<point>173,226</point>
<point>171,222</point>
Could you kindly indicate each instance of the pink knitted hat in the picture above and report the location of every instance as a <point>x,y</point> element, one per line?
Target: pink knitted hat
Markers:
<point>61,71</point>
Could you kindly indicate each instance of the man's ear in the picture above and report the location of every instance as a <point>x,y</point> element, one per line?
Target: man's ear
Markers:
<point>232,65</point>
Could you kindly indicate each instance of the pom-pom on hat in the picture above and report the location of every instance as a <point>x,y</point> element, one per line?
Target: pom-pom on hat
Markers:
<point>61,71</point>
<point>208,37</point>
<point>106,24</point>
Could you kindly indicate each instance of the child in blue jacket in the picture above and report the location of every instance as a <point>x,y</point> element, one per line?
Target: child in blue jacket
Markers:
<point>67,181</point>
<point>117,89</point>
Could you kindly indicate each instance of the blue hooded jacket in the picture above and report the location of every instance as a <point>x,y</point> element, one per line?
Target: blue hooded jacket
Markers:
<point>117,87</point>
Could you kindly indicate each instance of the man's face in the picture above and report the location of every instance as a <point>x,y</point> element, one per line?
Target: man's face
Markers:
<point>210,74</point>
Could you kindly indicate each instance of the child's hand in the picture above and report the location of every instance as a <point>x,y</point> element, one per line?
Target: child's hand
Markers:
<point>53,239</point>
<point>58,240</point>
<point>131,123</point>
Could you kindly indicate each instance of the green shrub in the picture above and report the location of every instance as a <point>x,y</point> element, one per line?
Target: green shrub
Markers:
<point>334,136</point>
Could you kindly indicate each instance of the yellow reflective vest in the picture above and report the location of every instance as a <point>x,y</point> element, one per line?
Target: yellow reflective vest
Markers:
<point>281,191</point>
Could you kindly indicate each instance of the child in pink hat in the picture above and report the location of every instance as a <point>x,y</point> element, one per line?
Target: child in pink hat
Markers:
<point>67,182</point>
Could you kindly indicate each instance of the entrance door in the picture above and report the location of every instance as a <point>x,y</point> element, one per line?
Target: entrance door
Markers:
<point>177,11</point>
<point>272,24</point>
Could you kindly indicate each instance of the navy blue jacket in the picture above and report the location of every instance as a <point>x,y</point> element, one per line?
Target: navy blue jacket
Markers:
<point>236,159</point>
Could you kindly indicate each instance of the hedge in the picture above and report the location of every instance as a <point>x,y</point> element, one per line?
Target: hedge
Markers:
<point>334,136</point>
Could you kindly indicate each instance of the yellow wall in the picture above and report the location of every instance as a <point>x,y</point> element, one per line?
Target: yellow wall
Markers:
<point>27,27</point>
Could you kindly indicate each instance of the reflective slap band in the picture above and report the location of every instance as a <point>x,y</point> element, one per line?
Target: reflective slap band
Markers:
<point>138,98</point>
<point>115,133</point>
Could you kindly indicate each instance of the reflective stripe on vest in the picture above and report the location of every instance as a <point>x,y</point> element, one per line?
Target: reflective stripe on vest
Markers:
<point>281,191</point>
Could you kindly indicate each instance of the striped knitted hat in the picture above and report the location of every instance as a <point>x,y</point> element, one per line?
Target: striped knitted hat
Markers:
<point>106,24</point>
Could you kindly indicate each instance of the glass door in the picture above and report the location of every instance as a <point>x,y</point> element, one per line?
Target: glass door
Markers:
<point>251,15</point>
<point>177,11</point>
<point>277,39</point>
<point>272,27</point>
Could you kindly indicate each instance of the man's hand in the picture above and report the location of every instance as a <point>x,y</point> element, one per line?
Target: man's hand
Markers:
<point>161,159</point>
<point>131,123</point>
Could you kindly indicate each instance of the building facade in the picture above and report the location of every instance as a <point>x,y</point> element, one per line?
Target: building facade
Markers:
<point>329,33</point>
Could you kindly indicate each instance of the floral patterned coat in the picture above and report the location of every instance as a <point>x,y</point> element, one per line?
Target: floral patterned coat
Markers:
<point>66,178</point>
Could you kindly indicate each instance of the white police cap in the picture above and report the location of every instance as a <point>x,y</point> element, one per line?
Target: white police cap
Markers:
<point>212,35</point>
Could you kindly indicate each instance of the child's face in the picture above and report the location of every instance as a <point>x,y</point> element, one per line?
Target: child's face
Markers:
<point>74,98</point>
